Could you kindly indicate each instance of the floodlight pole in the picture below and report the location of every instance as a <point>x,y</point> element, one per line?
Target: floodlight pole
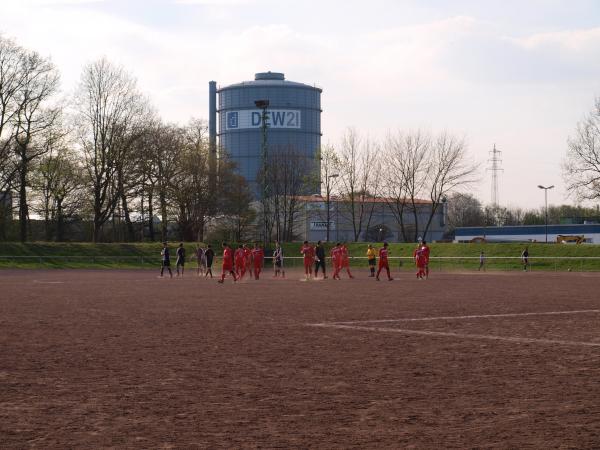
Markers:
<point>546,205</point>
<point>263,105</point>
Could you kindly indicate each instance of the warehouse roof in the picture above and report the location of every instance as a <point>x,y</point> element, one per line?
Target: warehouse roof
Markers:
<point>316,198</point>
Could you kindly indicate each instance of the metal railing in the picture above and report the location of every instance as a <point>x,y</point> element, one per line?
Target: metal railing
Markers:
<point>96,259</point>
<point>436,263</point>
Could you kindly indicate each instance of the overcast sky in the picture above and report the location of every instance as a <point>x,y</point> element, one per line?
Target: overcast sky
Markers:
<point>518,74</point>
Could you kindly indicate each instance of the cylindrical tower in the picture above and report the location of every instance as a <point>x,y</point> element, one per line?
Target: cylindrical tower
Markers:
<point>293,124</point>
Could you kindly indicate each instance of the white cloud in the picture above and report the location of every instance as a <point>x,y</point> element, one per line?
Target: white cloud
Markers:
<point>584,40</point>
<point>33,3</point>
<point>216,2</point>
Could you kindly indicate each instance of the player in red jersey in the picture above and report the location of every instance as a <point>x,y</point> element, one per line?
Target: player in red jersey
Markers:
<point>248,260</point>
<point>345,259</point>
<point>420,262</point>
<point>336,260</point>
<point>240,262</point>
<point>426,252</point>
<point>308,251</point>
<point>258,257</point>
<point>227,263</point>
<point>383,261</point>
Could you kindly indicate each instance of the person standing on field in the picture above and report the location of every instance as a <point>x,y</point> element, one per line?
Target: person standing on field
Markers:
<point>209,254</point>
<point>240,261</point>
<point>248,260</point>
<point>525,259</point>
<point>320,259</point>
<point>165,260</point>
<point>420,261</point>
<point>372,258</point>
<point>258,257</point>
<point>201,259</point>
<point>336,260</point>
<point>426,251</point>
<point>180,259</point>
<point>278,261</point>
<point>383,262</point>
<point>345,259</point>
<point>308,252</point>
<point>227,263</point>
<point>481,261</point>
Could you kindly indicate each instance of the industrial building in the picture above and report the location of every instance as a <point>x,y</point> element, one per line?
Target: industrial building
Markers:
<point>292,113</point>
<point>251,121</point>
<point>380,221</point>
<point>529,233</point>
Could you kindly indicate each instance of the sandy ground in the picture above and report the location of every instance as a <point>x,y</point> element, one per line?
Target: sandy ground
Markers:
<point>122,359</point>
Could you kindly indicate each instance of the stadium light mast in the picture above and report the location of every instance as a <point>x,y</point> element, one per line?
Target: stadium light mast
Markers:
<point>546,202</point>
<point>263,105</point>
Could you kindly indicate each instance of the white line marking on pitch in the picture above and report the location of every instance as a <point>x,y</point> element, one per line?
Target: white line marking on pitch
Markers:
<point>48,282</point>
<point>477,316</point>
<point>458,335</point>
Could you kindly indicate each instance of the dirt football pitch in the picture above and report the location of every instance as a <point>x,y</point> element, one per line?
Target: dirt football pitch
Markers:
<point>122,359</point>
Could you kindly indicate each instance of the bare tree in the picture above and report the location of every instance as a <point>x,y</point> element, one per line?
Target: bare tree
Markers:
<point>201,171</point>
<point>12,79</point>
<point>32,121</point>
<point>359,171</point>
<point>172,165</point>
<point>288,176</point>
<point>495,215</point>
<point>59,182</point>
<point>110,108</point>
<point>165,150</point>
<point>190,184</point>
<point>464,210</point>
<point>144,173</point>
<point>417,146</point>
<point>448,170</point>
<point>236,208</point>
<point>581,168</point>
<point>404,177</point>
<point>329,177</point>
<point>420,173</point>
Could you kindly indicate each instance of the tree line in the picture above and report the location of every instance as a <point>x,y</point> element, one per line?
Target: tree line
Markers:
<point>409,173</point>
<point>103,156</point>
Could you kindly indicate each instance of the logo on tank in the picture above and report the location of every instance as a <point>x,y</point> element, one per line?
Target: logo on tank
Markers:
<point>232,119</point>
<point>274,118</point>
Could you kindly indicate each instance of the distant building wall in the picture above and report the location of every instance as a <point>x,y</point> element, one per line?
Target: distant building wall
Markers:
<point>381,225</point>
<point>528,233</point>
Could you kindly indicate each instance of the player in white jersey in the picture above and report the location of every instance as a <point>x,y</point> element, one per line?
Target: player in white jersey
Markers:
<point>278,261</point>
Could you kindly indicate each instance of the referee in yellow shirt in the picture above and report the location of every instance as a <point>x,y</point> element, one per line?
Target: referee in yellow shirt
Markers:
<point>372,257</point>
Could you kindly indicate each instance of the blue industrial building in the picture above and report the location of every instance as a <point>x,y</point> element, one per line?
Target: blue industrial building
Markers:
<point>529,233</point>
<point>293,122</point>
